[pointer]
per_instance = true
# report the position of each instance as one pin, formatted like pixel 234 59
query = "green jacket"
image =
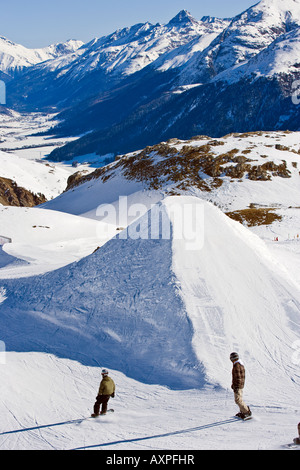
pixel 107 386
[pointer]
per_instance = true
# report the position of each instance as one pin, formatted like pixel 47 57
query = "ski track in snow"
pixel 204 422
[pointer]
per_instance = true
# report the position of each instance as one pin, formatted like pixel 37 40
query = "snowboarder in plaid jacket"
pixel 238 383
pixel 297 439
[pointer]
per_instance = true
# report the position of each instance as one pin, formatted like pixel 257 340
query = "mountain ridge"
pixel 105 62
pixel 181 79
pixel 15 57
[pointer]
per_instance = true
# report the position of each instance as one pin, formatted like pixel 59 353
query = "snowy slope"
pixel 88 198
pixel 210 282
pixel 23 153
pixel 38 177
pixel 137 303
pixel 226 302
pixel 162 314
pixel 44 240
pixel 147 417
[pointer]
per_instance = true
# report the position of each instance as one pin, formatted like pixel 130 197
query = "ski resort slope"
pixel 45 240
pixel 163 314
pixel 38 177
pixel 58 396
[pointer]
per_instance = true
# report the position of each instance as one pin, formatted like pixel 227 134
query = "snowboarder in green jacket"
pixel 106 390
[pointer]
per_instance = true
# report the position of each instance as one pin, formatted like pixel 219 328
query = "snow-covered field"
pixel 160 313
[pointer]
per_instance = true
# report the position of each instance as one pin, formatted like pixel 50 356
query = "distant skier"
pixel 238 382
pixel 106 390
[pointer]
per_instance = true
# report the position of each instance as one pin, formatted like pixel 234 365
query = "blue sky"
pixel 38 23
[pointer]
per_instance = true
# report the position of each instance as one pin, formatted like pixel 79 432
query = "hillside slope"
pixel 235 171
pixel 44 240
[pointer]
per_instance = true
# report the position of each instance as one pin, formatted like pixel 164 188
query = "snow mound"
pixel 6 259
pixel 87 199
pixel 238 297
pixel 46 240
pixel 165 309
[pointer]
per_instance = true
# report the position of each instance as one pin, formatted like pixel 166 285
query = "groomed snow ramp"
pixel 119 307
pixel 163 308
pixel 239 298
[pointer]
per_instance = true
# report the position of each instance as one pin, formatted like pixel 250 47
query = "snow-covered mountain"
pixel 160 264
pixel 129 50
pixel 246 36
pixel 15 57
pixel 241 80
pixel 105 62
pixel 281 57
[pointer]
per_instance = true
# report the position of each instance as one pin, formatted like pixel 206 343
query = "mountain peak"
pixel 284 6
pixel 183 17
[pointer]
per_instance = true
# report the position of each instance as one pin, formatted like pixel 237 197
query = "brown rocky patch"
pixel 254 216
pixel 13 195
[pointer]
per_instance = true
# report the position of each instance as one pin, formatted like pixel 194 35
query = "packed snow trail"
pixel 58 395
pixel 159 436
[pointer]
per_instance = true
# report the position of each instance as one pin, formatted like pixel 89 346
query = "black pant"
pixel 101 400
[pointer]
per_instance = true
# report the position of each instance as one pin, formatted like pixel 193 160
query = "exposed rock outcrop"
pixel 13 195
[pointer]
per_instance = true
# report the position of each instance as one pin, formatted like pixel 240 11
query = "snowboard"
pixel 110 410
pixel 247 418
pixel 292 446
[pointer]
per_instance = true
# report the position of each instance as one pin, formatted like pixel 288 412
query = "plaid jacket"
pixel 238 376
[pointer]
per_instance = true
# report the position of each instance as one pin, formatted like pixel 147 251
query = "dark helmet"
pixel 234 356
